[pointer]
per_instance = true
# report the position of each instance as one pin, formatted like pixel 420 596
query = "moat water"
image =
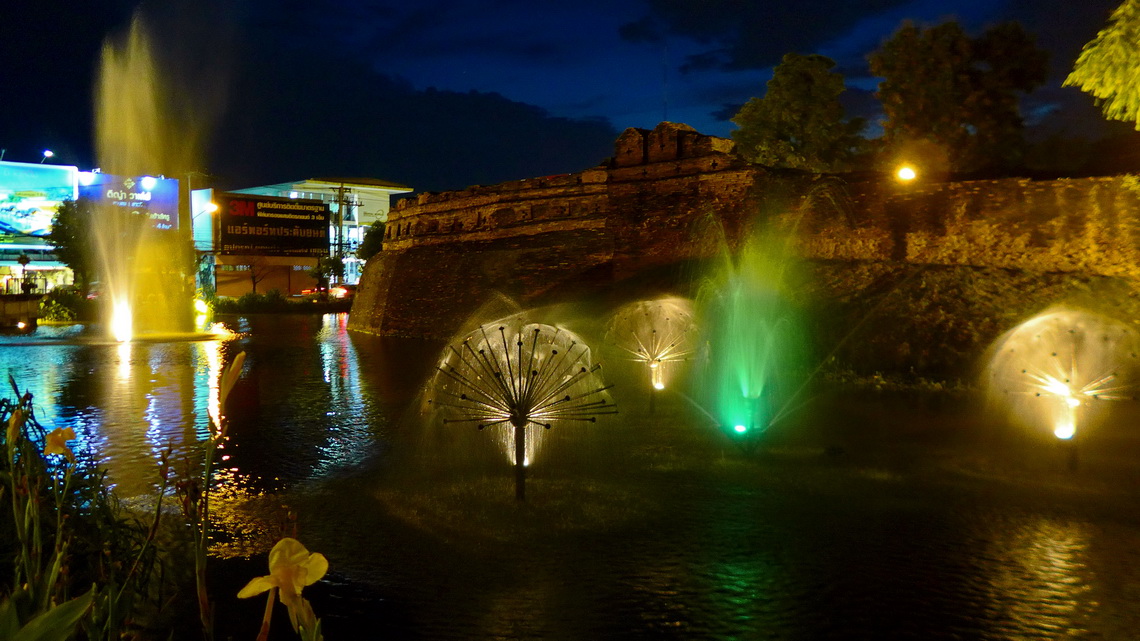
pixel 867 515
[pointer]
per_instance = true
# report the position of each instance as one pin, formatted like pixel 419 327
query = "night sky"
pixel 442 94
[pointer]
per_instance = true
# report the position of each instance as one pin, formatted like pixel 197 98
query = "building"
pixel 354 204
pixel 277 253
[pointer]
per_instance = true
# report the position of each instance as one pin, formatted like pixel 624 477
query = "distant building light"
pixel 294 194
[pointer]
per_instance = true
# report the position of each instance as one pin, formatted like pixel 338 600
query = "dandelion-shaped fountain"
pixel 512 375
pixel 658 334
pixel 1051 371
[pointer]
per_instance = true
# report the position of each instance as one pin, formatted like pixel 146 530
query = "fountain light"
pixel 122 326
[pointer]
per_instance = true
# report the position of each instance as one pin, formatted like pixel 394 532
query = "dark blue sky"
pixel 440 94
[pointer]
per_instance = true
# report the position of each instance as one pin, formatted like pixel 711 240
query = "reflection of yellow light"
pixel 213 351
pixel 121 325
pixel 124 355
pixel 656 374
pixel 906 173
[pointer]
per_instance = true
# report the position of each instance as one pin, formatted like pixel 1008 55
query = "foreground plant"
pixel 195 495
pixel 65 537
pixel 291 568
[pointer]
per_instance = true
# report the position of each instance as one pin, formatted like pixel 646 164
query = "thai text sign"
pixel 268 226
pixel 154 198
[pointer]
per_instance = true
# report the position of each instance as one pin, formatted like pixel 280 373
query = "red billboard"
pixel 270 226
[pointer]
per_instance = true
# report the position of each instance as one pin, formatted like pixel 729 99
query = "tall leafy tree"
pixel 960 94
pixel 372 242
pixel 71 236
pixel 1109 65
pixel 799 123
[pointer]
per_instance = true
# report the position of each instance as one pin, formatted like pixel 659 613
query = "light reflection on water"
pixel 847 546
pixel 129 402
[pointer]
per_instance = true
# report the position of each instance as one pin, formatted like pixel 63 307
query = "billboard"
pixel 270 226
pixel 30 195
pixel 156 198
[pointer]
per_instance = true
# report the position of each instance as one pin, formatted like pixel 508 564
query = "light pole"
pixel 47 154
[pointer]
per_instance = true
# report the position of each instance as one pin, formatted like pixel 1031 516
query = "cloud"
pixel 751 34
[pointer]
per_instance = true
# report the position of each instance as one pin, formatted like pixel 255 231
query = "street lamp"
pixel 47 154
pixel 906 173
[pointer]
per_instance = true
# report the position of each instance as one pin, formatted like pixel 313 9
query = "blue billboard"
pixel 30 195
pixel 156 198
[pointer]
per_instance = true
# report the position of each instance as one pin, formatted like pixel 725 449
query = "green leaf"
pixel 9 619
pixel 58 623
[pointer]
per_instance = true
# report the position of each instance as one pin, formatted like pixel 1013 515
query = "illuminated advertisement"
pixel 156 198
pixel 269 226
pixel 30 195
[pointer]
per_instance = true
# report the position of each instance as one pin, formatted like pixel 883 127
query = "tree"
pixel 328 268
pixel 1107 67
pixel 372 242
pixel 960 94
pixel 799 123
pixel 259 270
pixel 72 229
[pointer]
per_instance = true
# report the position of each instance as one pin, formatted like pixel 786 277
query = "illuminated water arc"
pixel 1051 371
pixel 659 334
pixel 753 337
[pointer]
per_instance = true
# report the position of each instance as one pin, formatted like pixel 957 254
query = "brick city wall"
pixel 446 253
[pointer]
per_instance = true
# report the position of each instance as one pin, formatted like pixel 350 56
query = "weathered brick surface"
pixel 445 253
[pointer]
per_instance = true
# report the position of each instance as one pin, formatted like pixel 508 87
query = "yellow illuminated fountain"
pixel 1052 372
pixel 144 272
pixel 659 334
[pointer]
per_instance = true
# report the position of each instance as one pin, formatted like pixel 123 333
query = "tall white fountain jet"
pixel 144 273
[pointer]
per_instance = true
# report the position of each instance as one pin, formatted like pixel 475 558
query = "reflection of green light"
pixel 740 429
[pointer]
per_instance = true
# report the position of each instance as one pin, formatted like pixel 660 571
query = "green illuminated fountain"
pixel 756 350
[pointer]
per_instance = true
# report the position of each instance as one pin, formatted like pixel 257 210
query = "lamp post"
pixel 47 154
